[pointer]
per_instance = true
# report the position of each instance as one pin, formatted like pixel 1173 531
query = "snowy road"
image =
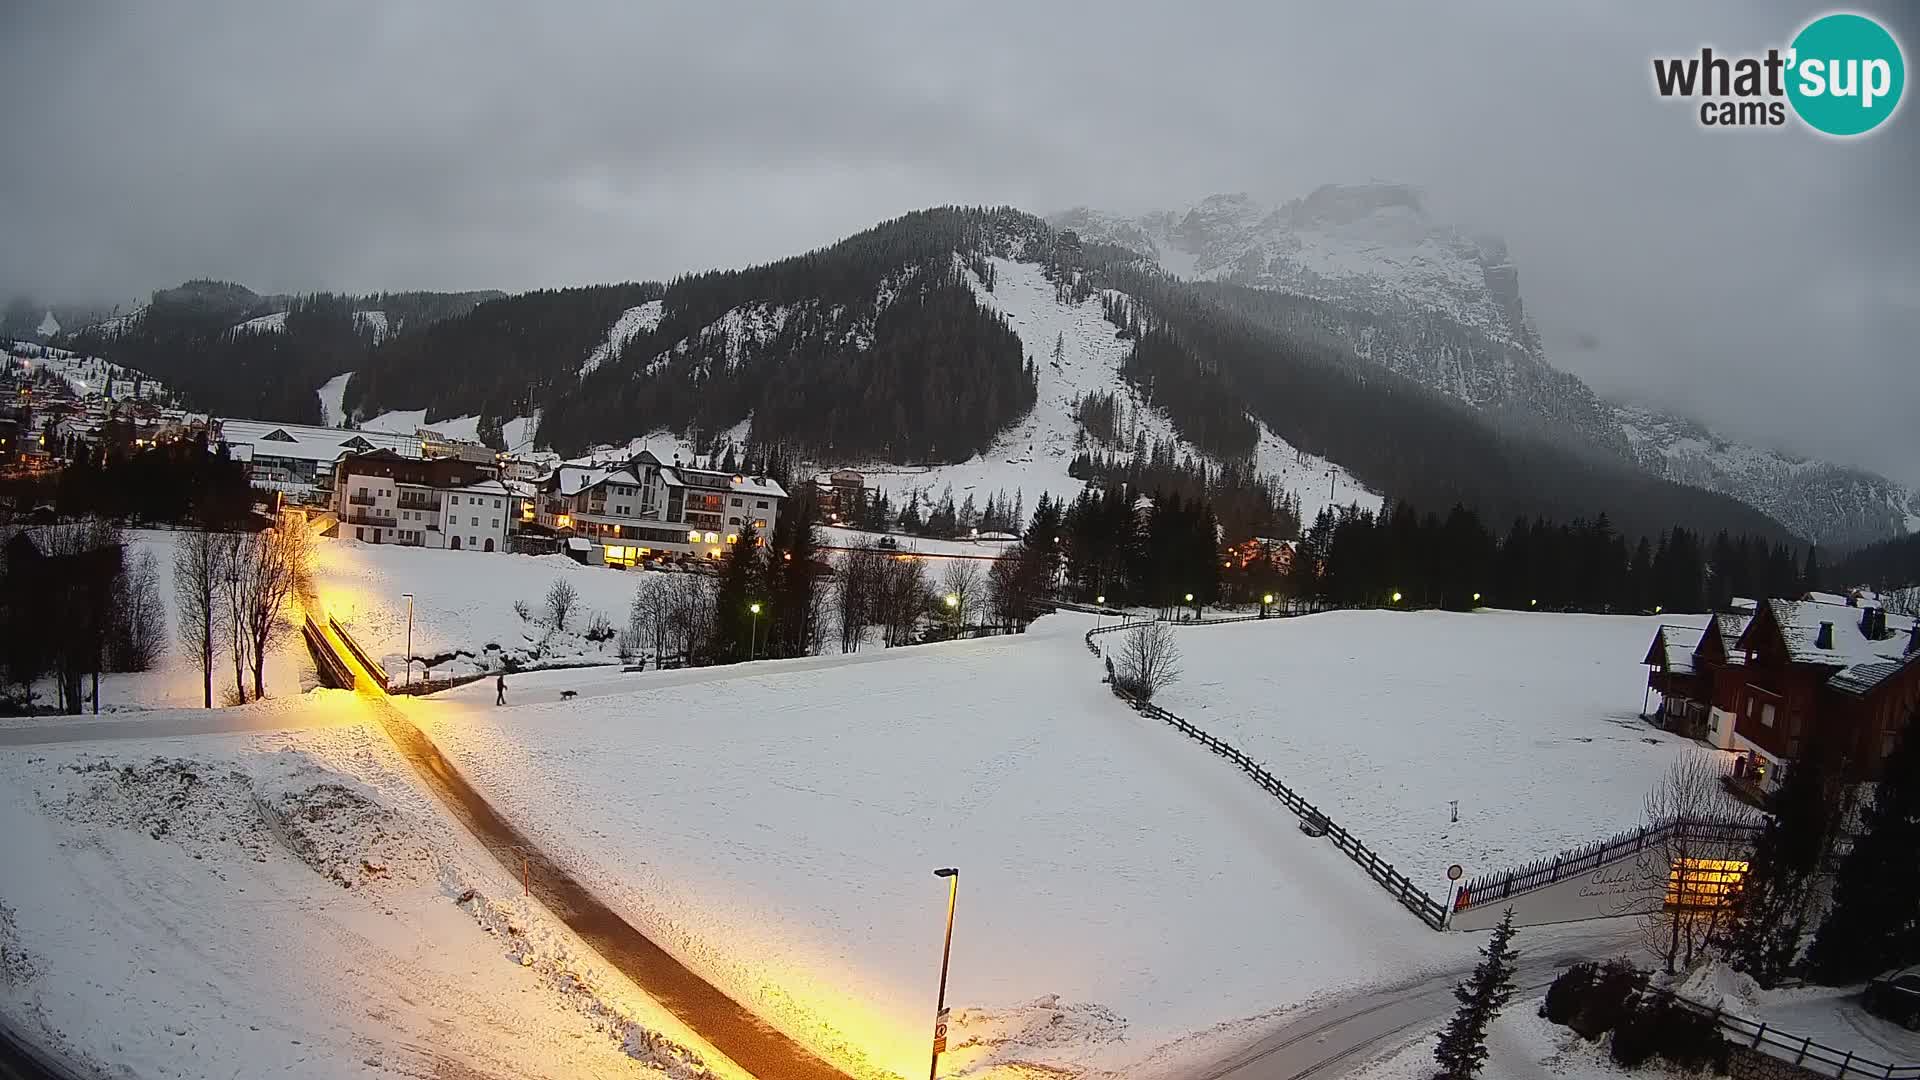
pixel 724 1023
pixel 1330 1041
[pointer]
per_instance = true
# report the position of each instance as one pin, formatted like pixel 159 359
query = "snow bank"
pixel 1530 721
pixel 290 905
pixel 775 826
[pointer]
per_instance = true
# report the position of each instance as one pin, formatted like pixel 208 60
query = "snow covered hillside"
pixel 776 827
pixel 636 320
pixel 1374 249
pixel 374 322
pixel 1382 718
pixel 86 375
pixel 1829 503
pixel 1032 456
pixel 290 904
pixel 272 323
pixel 333 394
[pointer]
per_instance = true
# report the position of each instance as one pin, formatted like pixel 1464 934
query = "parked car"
pixel 1895 996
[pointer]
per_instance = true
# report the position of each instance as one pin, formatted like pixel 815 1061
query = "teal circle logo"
pixel 1846 74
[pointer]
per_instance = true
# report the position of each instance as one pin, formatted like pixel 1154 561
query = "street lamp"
pixel 753 638
pixel 1396 596
pixel 1266 601
pixel 409 597
pixel 1476 598
pixel 952 875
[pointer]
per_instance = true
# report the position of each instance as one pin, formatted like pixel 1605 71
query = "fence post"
pixel 1802 1055
pixel 1758 1035
pixel 1847 1063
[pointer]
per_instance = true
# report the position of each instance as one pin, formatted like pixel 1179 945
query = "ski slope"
pixel 333 394
pixel 632 322
pixel 1033 455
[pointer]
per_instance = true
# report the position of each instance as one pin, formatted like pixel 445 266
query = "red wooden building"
pixel 1847 674
pixel 1698 674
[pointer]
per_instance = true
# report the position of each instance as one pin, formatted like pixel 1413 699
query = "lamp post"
pixel 409 597
pixel 1100 619
pixel 953 614
pixel 1196 611
pixel 1266 601
pixel 952 875
pixel 753 637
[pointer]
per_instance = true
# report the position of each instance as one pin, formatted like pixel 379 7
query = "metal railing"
pixel 378 673
pixel 1540 873
pixel 360 500
pixel 362 517
pixel 1799 1050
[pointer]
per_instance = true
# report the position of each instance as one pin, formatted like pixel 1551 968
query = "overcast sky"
pixel 1764 279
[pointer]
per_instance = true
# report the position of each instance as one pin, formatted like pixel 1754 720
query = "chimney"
pixel 1825 638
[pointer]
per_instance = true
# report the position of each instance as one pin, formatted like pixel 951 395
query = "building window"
pixel 761 505
pixel 1766 715
pixel 454 499
pixel 736 502
pixel 496 504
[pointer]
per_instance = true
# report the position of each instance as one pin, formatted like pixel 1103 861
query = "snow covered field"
pixel 463 602
pixel 777 829
pixel 1382 718
pixel 289 905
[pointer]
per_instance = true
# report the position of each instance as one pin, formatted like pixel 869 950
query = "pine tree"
pixel 739 585
pixel 1463 1045
pixel 1770 911
pixel 1875 920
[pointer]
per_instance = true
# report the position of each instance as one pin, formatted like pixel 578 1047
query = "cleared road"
pixel 1329 1041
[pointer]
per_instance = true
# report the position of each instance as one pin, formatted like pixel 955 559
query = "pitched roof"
pixel 1860 662
pixel 1673 648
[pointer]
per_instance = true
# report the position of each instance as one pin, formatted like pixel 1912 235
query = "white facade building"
pixel 644 507
pixel 382 498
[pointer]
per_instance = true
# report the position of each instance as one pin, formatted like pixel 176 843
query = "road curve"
pixel 1328 1041
pixel 728 1026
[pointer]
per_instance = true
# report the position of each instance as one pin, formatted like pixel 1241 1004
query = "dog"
pixel 567 695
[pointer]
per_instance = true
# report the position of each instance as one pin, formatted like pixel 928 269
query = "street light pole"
pixel 753 636
pixel 409 597
pixel 952 875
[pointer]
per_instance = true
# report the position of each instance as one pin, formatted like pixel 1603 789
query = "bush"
pixel 1569 993
pixel 599 629
pixel 1689 1040
pixel 1609 999
pixel 1636 1038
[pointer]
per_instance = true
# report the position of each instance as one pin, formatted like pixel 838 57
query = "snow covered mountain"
pixel 1831 503
pixel 1442 306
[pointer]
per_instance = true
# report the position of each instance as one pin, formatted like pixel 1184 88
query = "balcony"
pixel 417 503
pixel 370 517
pixel 360 500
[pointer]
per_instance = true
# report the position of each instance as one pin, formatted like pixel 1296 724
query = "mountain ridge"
pixel 1441 305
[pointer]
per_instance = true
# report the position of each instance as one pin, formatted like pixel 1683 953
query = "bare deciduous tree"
pixel 1149 660
pixel 140 622
pixel 562 598
pixel 270 569
pixel 1690 798
pixel 854 594
pixel 1902 601
pixel 961 580
pixel 199 568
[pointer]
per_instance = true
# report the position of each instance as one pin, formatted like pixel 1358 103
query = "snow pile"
pixel 774 825
pixel 632 322
pixel 291 905
pixel 1382 719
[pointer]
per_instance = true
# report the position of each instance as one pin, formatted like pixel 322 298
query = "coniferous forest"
pixel 880 347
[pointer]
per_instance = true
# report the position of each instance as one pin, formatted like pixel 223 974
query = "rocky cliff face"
pixel 1442 305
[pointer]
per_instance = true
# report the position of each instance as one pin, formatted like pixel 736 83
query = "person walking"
pixel 500 690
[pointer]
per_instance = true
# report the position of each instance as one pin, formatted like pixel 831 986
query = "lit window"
pixel 1703 883
pixel 693 537
pixel 712 539
pixel 733 538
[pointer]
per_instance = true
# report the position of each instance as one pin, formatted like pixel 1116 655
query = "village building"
pixel 381 497
pixel 643 507
pixel 1837 672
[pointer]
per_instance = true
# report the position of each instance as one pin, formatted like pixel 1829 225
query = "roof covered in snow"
pixel 1862 662
pixel 305 442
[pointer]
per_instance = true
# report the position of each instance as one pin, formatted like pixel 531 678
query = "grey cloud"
pixel 1765 280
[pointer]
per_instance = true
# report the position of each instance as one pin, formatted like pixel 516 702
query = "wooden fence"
pixel 1798 1050
pixel 1424 907
pixel 378 673
pixel 1498 886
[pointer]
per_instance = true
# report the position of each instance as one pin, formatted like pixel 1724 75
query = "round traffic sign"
pixel 1454 872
